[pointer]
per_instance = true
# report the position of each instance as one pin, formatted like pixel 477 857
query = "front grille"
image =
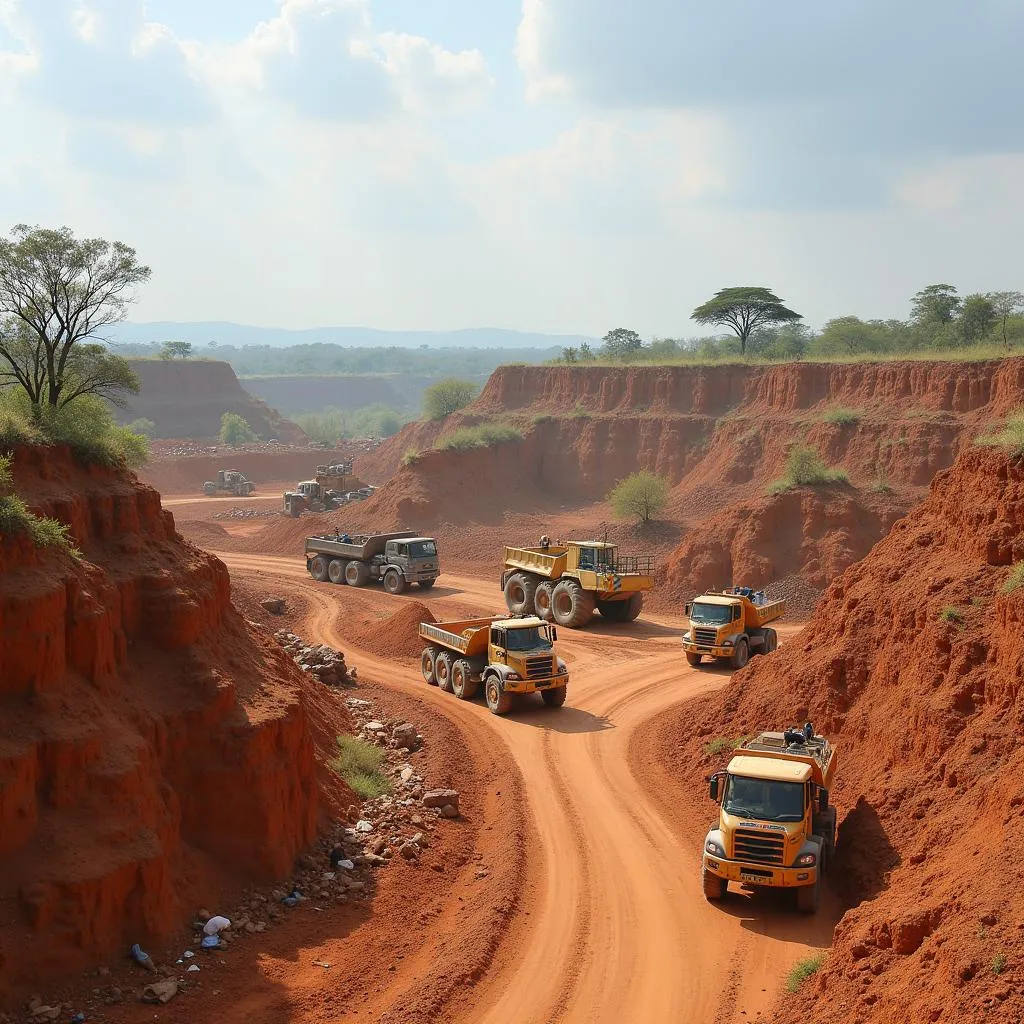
pixel 538 668
pixel 759 847
pixel 705 637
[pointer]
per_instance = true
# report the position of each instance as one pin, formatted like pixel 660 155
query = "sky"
pixel 568 166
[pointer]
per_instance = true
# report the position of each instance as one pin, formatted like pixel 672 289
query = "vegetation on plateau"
pixel 332 425
pixel 639 496
pixel 482 436
pixel 805 468
pixel 447 396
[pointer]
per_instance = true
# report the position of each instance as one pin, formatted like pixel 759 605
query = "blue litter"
pixel 210 941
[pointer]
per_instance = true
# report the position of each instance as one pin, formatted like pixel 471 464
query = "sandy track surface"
pixel 610 922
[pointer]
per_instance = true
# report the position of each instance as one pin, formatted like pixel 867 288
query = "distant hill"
pixel 239 335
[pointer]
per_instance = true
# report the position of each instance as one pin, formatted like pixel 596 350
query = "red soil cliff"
pixel 914 665
pixel 153 748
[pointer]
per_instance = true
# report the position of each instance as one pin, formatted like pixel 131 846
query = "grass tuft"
pixel 1010 437
pixel 999 963
pixel 1015 580
pixel 411 457
pixel 802 970
pixel 721 744
pixel 805 468
pixel 359 764
pixel 841 416
pixel 482 436
pixel 951 614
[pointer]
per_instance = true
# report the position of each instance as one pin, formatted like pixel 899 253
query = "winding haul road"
pixel 614 927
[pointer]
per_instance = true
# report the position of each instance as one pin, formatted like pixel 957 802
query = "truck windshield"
pixel 527 640
pixel 714 614
pixel 423 549
pixel 763 799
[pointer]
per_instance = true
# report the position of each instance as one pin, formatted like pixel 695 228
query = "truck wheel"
pixel 463 684
pixel 336 570
pixel 825 829
pixel 356 574
pixel 394 581
pixel 771 641
pixel 209 489
pixel 542 601
pixel 614 611
pixel 554 698
pixel 427 665
pixel 318 568
pixel 498 701
pixel 807 897
pixel 740 654
pixel 715 888
pixel 520 589
pixel 571 605
pixel 694 659
pixel 634 606
pixel 443 671
pixel 426 584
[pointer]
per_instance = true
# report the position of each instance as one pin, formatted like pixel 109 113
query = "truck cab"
pixel 523 651
pixel 775 828
pixel 415 557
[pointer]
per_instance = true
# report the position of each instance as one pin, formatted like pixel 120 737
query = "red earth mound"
pixel 398 635
pixel 154 751
pixel 914 665
pixel 187 398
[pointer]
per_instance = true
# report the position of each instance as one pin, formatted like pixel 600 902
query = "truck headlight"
pixel 727 643
pixel 686 638
pixel 710 846
pixel 514 676
pixel 806 860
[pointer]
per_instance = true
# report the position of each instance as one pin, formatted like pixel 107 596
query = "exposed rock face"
pixel 151 744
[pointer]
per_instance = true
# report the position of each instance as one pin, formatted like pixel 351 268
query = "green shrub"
pixel 330 425
pixel 359 764
pixel 16 518
pixel 802 970
pixel 1010 437
pixel 1015 580
pixel 951 614
pixel 805 468
pixel 411 457
pixel 482 436
pixel 841 416
pixel 234 430
pixel 142 426
pixel 999 963
pixel 447 396
pixel 721 744
pixel 578 412
pixel 639 496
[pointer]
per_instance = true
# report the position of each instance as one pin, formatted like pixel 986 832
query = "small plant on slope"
pixel 359 764
pixel 951 614
pixel 802 970
pixel 639 496
pixel 1015 580
pixel 16 518
pixel 805 468
pixel 840 416
pixel 1011 437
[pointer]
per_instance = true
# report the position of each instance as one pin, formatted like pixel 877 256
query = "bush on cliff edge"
pixel 16 518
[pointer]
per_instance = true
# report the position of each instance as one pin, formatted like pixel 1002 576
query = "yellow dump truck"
pixel 731 624
pixel 775 828
pixel 506 655
pixel 566 582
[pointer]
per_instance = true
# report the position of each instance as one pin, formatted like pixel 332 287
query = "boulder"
pixel 441 798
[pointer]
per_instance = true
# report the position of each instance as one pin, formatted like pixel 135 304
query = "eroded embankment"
pixel 153 747
pixel 913 664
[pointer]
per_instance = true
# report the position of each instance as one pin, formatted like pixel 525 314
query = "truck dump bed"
pixel 758 615
pixel 363 546
pixel 816 752
pixel 550 563
pixel 467 636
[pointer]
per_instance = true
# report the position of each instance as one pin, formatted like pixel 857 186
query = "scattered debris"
pixel 274 605
pixel 142 958
pixel 322 662
pixel 160 991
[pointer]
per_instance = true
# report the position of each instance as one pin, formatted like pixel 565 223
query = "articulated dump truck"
pixel 507 655
pixel 731 625
pixel 565 583
pixel 775 826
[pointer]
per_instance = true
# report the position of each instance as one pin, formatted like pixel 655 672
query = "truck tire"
pixel 443 670
pixel 427 664
pixel 825 829
pixel 542 600
pixel 740 654
pixel 426 584
pixel 209 489
pixel 498 701
pixel 336 570
pixel 394 581
pixel 250 487
pixel 571 605
pixel 463 683
pixel 318 568
pixel 554 698
pixel 693 658
pixel 520 589
pixel 357 574
pixel 622 611
pixel 714 887
pixel 771 641
pixel 808 896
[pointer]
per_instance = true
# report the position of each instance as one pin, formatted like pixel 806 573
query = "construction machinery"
pixel 333 486
pixel 775 828
pixel 566 582
pixel 396 558
pixel 507 656
pixel 731 625
pixel 229 481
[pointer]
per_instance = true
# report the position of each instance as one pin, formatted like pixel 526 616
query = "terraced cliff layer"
pixel 154 749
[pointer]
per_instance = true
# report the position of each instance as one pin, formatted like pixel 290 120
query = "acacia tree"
pixel 56 293
pixel 176 350
pixel 744 310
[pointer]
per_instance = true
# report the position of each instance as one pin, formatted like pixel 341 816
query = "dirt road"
pixel 613 924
